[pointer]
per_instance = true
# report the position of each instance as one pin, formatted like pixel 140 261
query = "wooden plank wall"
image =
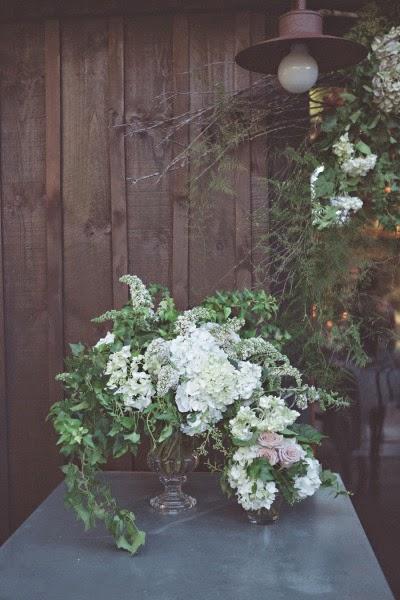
pixel 72 219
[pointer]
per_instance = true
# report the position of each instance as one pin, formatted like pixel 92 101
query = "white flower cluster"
pixel 251 494
pixel 308 484
pixel 359 166
pixel 345 206
pixel 355 166
pixel 196 366
pixel 386 82
pixel 128 380
pixel 269 414
pixel 204 379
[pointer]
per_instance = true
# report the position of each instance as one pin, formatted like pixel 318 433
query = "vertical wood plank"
pixel 53 206
pixel 148 87
pixel 212 231
pixel 179 178
pixel 119 237
pixel 243 237
pixel 119 233
pixel 4 480
pixel 33 458
pixel 258 178
pixel 85 177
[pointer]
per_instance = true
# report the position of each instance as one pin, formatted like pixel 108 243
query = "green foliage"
pixel 257 309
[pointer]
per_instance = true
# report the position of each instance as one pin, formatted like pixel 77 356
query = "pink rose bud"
pixel 270 440
pixel 289 453
pixel 270 454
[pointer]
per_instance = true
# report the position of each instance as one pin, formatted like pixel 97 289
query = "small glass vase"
pixel 266 516
pixel 172 460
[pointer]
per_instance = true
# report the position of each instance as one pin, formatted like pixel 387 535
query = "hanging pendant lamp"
pixel 301 51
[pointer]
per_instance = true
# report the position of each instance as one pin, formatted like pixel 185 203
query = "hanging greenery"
pixel 328 234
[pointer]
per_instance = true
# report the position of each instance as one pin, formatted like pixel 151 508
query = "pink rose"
pixel 289 452
pixel 270 454
pixel 270 440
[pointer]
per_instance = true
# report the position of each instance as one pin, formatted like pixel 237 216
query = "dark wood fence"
pixel 71 223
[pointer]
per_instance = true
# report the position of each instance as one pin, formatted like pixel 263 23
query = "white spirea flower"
pixel 106 340
pixel 187 322
pixel 343 148
pixel 157 354
pixel 308 484
pixel 140 296
pixel 313 179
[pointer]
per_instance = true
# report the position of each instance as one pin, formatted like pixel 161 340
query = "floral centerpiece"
pixel 181 379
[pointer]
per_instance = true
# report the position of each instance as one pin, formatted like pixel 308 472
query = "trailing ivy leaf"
pixel 133 437
pixel 165 433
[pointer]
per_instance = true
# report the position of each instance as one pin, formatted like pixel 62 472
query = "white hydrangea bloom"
pixel 117 367
pixel 244 424
pixel 245 455
pixel 137 391
pixel 248 379
pixel 345 205
pixel 252 495
pixel 308 484
pixel 134 386
pixel 359 166
pixel 386 82
pixel 106 340
pixel 275 415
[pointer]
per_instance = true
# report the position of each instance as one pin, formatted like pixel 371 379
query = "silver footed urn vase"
pixel 173 459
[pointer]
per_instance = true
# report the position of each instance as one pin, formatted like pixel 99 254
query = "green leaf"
pixel 132 543
pixel 81 406
pixel 165 433
pixel 77 349
pixel 306 434
pixel 133 437
pixel 261 469
pixel 363 148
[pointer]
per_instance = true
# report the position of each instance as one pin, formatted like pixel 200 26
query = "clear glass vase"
pixel 173 460
pixel 266 516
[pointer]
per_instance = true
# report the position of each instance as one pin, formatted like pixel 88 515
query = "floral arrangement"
pixel 273 455
pixel 160 372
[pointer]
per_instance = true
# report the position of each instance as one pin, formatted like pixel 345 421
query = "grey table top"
pixel 318 550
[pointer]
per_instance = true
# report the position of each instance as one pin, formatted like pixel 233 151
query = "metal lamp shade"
pixel 302 26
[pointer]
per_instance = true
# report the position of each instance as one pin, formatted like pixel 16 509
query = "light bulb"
pixel 298 71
